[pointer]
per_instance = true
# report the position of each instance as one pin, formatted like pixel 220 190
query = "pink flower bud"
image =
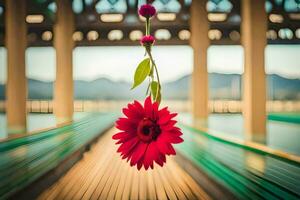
pixel 147 10
pixel 147 40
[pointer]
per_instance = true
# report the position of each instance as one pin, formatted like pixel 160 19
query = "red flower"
pixel 147 134
pixel 147 10
pixel 147 40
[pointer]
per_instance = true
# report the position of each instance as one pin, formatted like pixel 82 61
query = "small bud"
pixel 147 40
pixel 147 10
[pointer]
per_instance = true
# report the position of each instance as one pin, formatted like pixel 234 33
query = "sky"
pixel 119 63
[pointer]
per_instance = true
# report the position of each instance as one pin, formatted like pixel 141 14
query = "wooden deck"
pixel 101 174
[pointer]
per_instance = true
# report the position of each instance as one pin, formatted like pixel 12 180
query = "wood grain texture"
pixel 102 174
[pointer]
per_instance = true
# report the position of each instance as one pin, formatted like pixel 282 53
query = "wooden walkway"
pixel 101 174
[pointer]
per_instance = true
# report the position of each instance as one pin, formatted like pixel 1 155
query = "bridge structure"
pixel 74 160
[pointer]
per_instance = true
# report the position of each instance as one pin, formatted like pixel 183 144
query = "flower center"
pixel 148 130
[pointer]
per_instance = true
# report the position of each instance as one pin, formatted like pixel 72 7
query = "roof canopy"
pixel 115 22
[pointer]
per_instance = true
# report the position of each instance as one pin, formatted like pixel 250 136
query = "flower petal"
pixel 139 107
pixel 137 111
pixel 126 138
pixel 138 153
pixel 127 146
pixel 164 111
pixel 150 155
pixel 171 149
pixel 170 137
pixel 140 163
pixel 131 114
pixel 125 124
pixel 168 126
pixel 148 108
pixel 119 135
pixel 165 147
pixel 166 118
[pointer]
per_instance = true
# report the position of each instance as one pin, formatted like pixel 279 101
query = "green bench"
pixel 25 160
pixel 285 117
pixel 246 172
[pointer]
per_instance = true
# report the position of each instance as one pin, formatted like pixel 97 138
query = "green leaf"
pixel 155 90
pixel 141 72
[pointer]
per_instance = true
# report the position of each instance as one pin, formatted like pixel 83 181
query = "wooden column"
pixel 200 43
pixel 16 88
pixel 63 42
pixel 254 27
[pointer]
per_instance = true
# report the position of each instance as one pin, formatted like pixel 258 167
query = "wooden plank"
pixel 161 193
pixel 142 184
pixel 108 184
pixel 88 176
pixel 102 174
pixel 150 186
pixel 109 172
pixel 68 187
pixel 114 187
pixel 134 194
pixel 169 190
pixel 64 186
pixel 127 188
pixel 121 186
pixel 174 185
pixel 199 193
pixel 96 180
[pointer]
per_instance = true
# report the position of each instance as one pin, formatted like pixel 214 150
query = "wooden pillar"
pixel 200 43
pixel 254 27
pixel 63 42
pixel 16 88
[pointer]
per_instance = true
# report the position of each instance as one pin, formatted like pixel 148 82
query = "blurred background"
pixel 241 62
pixel 107 52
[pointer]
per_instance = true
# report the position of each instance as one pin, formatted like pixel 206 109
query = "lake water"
pixel 36 122
pixel 280 135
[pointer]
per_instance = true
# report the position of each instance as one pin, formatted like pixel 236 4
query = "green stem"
pixel 156 71
pixel 149 84
pixel 147 26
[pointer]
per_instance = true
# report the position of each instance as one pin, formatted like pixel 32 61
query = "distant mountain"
pixel 222 86
pixel 39 89
pixel 283 88
pixel 2 91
